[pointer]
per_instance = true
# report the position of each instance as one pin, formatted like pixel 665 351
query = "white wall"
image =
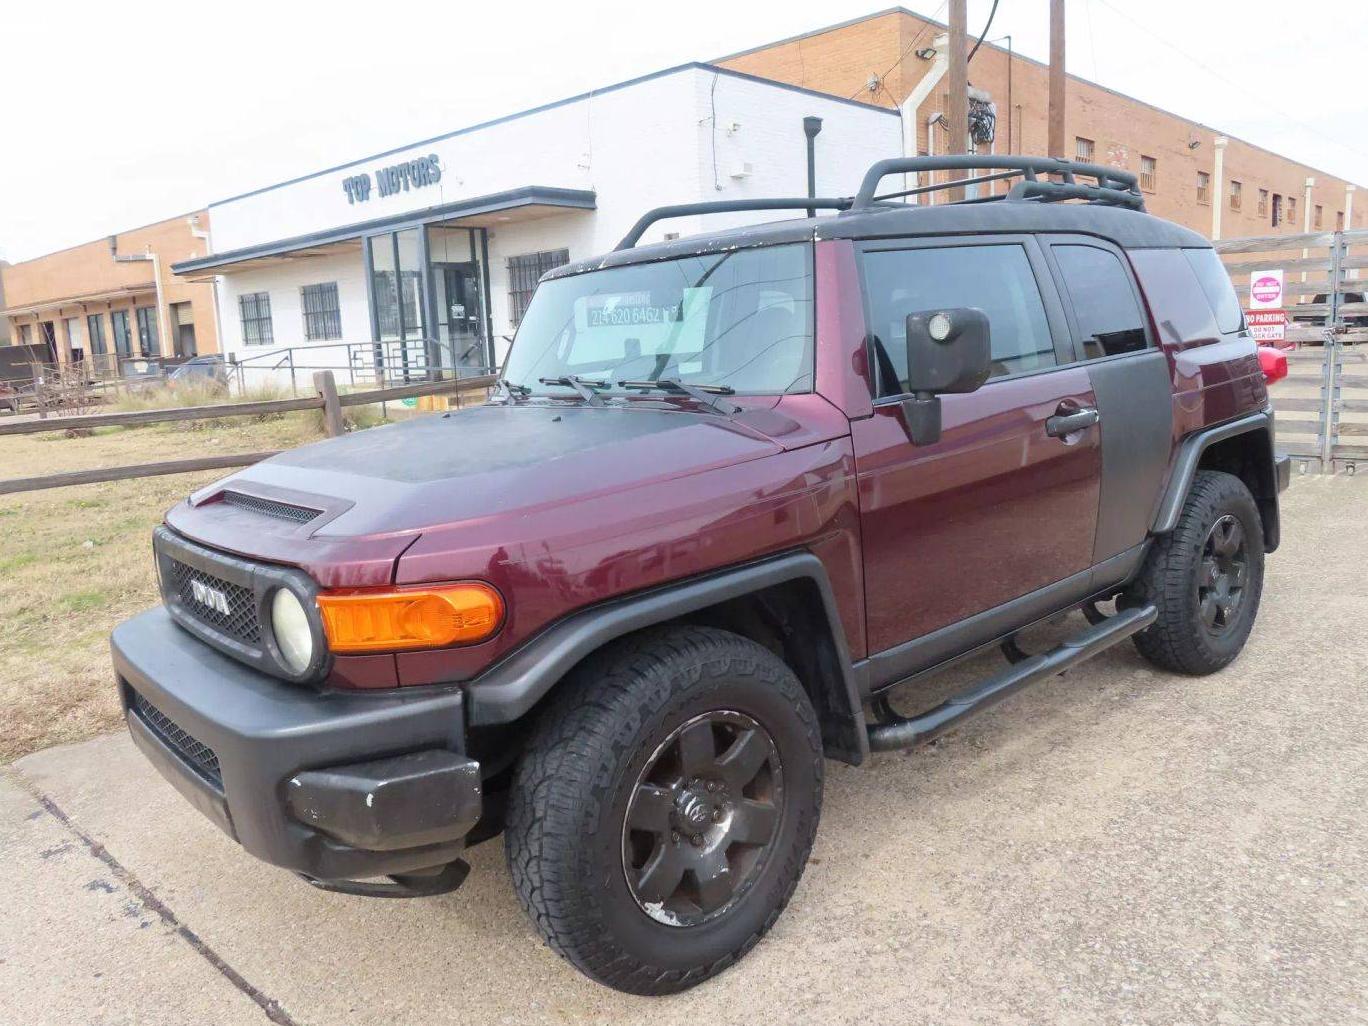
pixel 283 283
pixel 651 143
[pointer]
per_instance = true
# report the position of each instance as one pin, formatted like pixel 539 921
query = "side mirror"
pixel 947 351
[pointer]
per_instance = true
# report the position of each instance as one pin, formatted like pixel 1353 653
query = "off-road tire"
pixel 1180 641
pixel 572 787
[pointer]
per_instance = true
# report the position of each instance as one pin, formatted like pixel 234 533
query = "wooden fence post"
pixel 332 410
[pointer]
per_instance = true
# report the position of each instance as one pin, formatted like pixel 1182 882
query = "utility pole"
pixel 957 109
pixel 1056 134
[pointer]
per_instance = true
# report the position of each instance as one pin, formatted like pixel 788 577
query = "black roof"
pixel 1129 229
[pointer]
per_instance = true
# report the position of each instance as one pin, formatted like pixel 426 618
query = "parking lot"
pixel 1112 846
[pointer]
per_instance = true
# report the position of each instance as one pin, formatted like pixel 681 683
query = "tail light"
pixel 1273 363
pixel 402 619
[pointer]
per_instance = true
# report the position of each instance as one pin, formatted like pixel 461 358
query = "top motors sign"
pixel 1266 290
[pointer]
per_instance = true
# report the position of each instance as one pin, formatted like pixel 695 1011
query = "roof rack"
pixel 1114 187
pixel 808 203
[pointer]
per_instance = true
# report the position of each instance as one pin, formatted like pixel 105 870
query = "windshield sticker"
pixel 626 309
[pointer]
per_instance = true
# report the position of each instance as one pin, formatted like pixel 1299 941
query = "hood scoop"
pixel 271 507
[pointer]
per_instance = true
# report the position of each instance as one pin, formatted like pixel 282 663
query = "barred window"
pixel 1203 187
pixel 1083 150
pixel 1149 173
pixel 523 274
pixel 1263 202
pixel 1236 194
pixel 256 318
pixel 322 317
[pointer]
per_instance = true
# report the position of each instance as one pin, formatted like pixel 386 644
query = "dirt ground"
pixel 76 561
pixel 1115 845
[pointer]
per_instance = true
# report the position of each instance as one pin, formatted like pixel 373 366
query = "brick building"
pixel 1217 185
pixel 114 298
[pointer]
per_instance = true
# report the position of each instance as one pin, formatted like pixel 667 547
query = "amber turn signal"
pixel 393 620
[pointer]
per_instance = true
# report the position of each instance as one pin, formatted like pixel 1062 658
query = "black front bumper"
pixel 332 786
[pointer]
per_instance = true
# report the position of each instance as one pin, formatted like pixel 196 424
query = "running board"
pixel 905 732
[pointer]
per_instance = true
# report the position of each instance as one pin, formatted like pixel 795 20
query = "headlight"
pixel 293 633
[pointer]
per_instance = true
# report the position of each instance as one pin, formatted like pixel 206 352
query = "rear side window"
pixel 996 279
pixel 1211 275
pixel 1109 319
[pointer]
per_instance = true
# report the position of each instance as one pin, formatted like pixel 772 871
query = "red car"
pixel 735 488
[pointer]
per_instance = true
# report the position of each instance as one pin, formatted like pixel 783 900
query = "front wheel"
pixel 664 808
pixel 1205 578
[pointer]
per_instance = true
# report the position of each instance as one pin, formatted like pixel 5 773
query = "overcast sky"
pixel 118 114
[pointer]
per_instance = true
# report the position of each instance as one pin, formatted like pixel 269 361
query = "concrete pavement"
pixel 1112 846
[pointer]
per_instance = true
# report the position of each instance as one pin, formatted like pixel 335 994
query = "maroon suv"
pixel 733 490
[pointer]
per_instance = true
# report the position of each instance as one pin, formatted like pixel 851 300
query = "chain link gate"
pixel 1322 404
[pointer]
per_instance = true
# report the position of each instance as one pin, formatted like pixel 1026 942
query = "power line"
pixel 910 46
pixel 1289 118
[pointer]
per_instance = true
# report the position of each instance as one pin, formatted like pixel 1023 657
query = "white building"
pixel 433 249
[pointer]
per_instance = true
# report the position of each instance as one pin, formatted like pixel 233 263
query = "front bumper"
pixel 335 787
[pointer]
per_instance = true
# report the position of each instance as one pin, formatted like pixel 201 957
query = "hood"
pixel 388 484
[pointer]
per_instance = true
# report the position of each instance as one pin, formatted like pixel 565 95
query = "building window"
pixel 1339 220
pixel 1320 215
pixel 255 308
pixel 95 328
pixel 26 334
pixel 72 325
pixel 1263 202
pixel 322 317
pixel 1292 211
pixel 123 339
pixel 148 343
pixel 1083 150
pixel 1203 187
pixel 1149 173
pixel 1277 209
pixel 1236 198
pixel 523 273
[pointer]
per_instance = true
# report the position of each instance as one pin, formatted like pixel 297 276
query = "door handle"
pixel 1069 418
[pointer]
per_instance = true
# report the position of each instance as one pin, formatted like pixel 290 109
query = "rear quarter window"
pixel 1109 319
pixel 1220 293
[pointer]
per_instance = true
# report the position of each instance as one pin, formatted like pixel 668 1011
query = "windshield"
pixel 742 320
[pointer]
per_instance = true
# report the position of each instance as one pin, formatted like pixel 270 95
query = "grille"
pixel 195 752
pixel 239 622
pixel 271 508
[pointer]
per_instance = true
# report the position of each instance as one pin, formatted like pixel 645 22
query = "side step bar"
pixel 904 732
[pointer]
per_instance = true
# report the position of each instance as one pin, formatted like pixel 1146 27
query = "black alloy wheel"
pixel 1224 571
pixel 1205 577
pixel 663 806
pixel 702 818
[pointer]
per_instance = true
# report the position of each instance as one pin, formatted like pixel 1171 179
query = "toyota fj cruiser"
pixel 733 489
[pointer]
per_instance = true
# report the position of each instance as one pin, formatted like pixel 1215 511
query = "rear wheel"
pixel 1205 578
pixel 665 806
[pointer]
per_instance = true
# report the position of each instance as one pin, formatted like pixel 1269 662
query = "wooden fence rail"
pixel 326 399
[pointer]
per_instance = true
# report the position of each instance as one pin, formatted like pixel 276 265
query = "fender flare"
pixel 1188 458
pixel 512 687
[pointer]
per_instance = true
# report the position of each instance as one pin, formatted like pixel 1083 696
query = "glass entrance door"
pixel 460 326
pixel 427 296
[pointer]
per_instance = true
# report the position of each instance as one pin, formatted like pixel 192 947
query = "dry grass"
pixel 76 561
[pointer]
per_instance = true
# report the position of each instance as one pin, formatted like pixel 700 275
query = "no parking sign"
pixel 1266 290
pixel 1267 317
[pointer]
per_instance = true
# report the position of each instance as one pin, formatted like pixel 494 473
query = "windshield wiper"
pixel 708 395
pixel 511 388
pixel 584 386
